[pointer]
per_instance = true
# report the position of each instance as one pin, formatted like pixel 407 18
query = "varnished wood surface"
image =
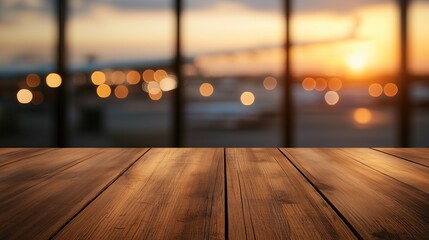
pixel 214 193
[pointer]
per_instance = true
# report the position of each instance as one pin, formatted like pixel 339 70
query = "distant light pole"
pixel 404 85
pixel 287 110
pixel 178 113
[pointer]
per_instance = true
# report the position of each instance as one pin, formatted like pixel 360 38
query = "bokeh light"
pixel 331 97
pixel 156 97
pixel 121 91
pixel 159 75
pixel 335 84
pixel 206 89
pixel 270 83
pixel 148 75
pixel 32 80
pixel 375 90
pixel 133 77
pixel 24 96
pixel 153 87
pixel 321 84
pixel 390 89
pixel 98 78
pixel 168 84
pixel 247 98
pixel 53 80
pixel 362 116
pixel 104 91
pixel 118 77
pixel 308 84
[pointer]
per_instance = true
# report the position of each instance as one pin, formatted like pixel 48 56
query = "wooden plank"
pixel 11 155
pixel 169 194
pixel 39 195
pixel 417 155
pixel 415 175
pixel 269 199
pixel 375 204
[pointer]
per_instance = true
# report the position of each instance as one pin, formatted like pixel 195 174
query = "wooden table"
pixel 214 193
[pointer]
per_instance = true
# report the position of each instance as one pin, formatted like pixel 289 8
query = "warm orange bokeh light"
pixel 357 61
pixel 247 98
pixel 118 77
pixel 53 80
pixel 375 90
pixel 33 80
pixel 332 97
pixel 121 91
pixel 98 78
pixel 270 83
pixel 321 84
pixel 133 77
pixel 206 89
pixel 308 84
pixel 390 89
pixel 335 84
pixel 104 91
pixel 168 84
pixel 24 96
pixel 362 116
pixel 155 97
pixel 148 75
pixel 153 88
pixel 159 75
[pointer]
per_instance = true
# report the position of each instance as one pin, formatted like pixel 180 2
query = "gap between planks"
pixel 98 194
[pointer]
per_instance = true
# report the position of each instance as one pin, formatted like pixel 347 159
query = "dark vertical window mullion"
pixel 287 110
pixel 404 106
pixel 60 120
pixel 178 103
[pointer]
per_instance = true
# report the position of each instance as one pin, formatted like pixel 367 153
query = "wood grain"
pixel 39 195
pixel 10 155
pixel 269 199
pixel 417 155
pixel 375 204
pixel 407 172
pixel 169 194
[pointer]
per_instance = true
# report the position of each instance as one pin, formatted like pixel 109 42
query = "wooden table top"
pixel 214 193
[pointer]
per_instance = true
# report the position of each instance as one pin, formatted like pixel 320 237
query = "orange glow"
pixel 24 96
pixel 133 77
pixel 390 89
pixel 332 98
pixel 104 91
pixel 375 90
pixel 362 116
pixel 148 75
pixel 33 80
pixel 357 61
pixel 335 84
pixel 155 97
pixel 321 84
pixel 53 80
pixel 270 83
pixel 98 78
pixel 247 98
pixel 309 84
pixel 206 89
pixel 121 91
pixel 159 75
pixel 118 77
pixel 37 98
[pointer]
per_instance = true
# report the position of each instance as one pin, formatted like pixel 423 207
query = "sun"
pixel 357 61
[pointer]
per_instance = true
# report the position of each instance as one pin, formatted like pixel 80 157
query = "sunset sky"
pixel 115 31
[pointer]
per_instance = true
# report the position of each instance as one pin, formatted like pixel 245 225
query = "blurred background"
pixel 214 73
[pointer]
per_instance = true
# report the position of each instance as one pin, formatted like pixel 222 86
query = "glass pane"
pixel 233 69
pixel 345 61
pixel 27 45
pixel 419 71
pixel 119 52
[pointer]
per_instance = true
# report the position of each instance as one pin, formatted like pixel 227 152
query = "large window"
pixel 27 46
